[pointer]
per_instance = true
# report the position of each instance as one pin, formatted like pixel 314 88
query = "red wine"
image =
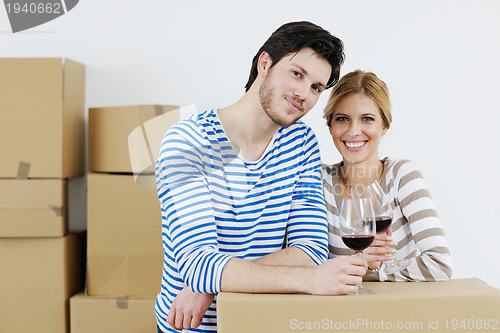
pixel 383 223
pixel 358 242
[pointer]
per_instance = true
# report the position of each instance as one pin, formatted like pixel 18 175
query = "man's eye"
pixel 316 88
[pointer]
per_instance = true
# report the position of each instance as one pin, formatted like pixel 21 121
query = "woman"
pixel 358 115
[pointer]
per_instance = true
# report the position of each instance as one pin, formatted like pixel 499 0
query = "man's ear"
pixel 264 64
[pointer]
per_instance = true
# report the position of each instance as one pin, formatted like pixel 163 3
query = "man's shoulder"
pixel 200 118
pixel 299 124
pixel 196 122
pixel 299 128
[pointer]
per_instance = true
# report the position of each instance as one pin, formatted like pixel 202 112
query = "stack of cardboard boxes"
pixel 124 254
pixel 41 146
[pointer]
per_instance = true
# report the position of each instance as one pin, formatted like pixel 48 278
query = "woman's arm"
pixel 431 260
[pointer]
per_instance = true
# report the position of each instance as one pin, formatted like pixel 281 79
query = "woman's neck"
pixel 352 174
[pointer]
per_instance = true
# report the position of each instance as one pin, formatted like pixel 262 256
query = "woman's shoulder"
pixel 401 165
pixel 403 171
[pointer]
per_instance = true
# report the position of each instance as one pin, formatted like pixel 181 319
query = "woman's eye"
pixel 368 119
pixel 297 74
pixel 341 119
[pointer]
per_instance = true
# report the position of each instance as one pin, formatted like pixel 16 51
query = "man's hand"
pixel 188 309
pixel 338 276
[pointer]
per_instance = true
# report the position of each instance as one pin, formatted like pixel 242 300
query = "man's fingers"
pixel 355 280
pixel 357 261
pixel 196 321
pixel 179 321
pixel 171 317
pixel 187 322
pixel 356 271
pixel 349 289
pixel 355 266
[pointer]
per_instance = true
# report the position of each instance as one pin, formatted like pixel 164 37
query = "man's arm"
pixel 307 222
pixel 188 224
pixel 335 277
pixel 291 256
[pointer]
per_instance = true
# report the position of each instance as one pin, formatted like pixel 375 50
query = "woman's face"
pixel 356 129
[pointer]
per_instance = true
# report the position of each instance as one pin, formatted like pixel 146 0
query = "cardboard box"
pixel 37 278
pixel 33 208
pixel 410 306
pixel 125 253
pixel 109 130
pixel 107 315
pixel 42 125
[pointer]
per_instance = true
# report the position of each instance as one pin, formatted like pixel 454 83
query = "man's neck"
pixel 247 126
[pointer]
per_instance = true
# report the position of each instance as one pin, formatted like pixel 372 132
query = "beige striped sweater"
pixel 416 226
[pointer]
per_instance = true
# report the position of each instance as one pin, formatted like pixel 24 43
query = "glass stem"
pixel 359 254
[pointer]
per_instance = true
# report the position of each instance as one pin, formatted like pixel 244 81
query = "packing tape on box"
pixel 122 303
pixel 158 110
pixel 23 170
pixel 148 145
pixel 59 210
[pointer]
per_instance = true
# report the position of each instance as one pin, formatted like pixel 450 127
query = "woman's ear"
pixel 264 64
pixel 385 130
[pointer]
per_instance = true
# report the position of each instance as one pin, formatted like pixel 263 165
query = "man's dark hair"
pixel 293 37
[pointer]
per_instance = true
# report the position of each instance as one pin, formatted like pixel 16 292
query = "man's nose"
pixel 301 91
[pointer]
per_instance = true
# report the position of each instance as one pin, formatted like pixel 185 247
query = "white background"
pixel 440 59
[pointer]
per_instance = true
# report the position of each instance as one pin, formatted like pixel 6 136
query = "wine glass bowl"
pixel 357 228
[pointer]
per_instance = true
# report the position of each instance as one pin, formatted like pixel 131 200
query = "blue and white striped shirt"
pixel 216 206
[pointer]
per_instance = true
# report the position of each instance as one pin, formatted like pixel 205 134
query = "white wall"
pixel 440 60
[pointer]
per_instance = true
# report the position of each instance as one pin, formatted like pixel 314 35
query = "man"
pixel 237 183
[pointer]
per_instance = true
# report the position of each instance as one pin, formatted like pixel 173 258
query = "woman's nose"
pixel 354 129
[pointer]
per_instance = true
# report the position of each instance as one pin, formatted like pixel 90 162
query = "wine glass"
pixel 383 218
pixel 394 265
pixel 357 229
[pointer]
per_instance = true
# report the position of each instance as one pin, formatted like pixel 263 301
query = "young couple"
pixel 237 183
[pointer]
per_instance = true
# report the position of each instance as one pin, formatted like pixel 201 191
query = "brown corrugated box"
pixel 33 208
pixel 41 118
pixel 455 305
pixel 109 131
pixel 125 254
pixel 37 278
pixel 97 314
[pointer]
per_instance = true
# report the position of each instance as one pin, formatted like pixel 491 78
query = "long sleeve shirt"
pixel 215 205
pixel 416 226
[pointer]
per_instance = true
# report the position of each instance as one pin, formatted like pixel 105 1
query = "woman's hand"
pixel 382 249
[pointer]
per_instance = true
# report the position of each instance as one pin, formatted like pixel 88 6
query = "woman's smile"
pixel 357 128
pixel 355 145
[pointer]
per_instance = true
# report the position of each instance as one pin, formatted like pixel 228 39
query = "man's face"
pixel 292 87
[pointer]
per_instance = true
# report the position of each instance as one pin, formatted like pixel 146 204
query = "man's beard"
pixel 266 94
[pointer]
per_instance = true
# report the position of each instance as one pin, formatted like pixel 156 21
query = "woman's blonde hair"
pixel 359 82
